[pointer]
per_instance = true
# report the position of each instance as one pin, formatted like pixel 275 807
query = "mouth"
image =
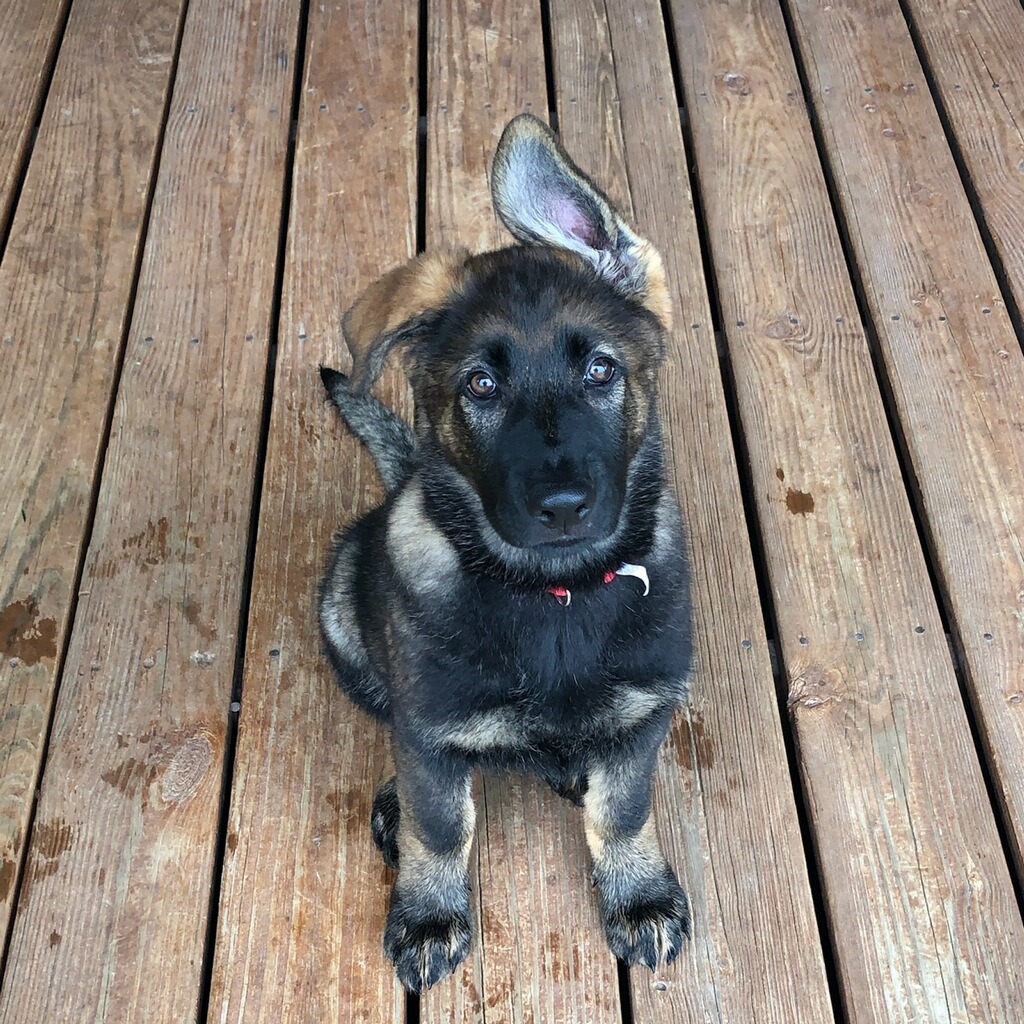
pixel 560 543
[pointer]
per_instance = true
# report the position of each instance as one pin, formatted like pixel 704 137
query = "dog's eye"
pixel 601 371
pixel 481 384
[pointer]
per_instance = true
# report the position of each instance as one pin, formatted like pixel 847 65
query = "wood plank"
pixel 29 37
pixel 976 61
pixel 723 796
pixel 65 288
pixel 920 901
pixel 949 347
pixel 538 950
pixel 305 892
pixel 112 916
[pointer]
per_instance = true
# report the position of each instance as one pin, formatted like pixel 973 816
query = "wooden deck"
pixel 191 194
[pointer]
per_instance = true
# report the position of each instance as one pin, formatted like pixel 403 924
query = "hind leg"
pixel 384 821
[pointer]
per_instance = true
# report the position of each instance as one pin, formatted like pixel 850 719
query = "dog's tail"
pixel 389 439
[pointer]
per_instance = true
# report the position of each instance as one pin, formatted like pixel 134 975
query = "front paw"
pixel 425 943
pixel 648 924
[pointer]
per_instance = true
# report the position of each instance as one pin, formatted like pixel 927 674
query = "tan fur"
pixel 609 847
pixel 429 281
pixel 485 731
pixel 423 555
pixel 656 295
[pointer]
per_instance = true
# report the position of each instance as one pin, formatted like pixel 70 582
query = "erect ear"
pixel 399 308
pixel 545 199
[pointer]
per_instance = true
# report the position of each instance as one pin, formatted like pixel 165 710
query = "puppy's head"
pixel 534 368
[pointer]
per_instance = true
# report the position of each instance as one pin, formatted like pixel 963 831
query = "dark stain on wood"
pixel 232 842
pixel 8 869
pixel 799 502
pixel 54 939
pixel 691 736
pixel 780 474
pixel 26 636
pixel 151 544
pixel 51 840
pixel 128 776
pixel 192 612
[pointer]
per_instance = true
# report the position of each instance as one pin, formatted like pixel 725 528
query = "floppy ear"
pixel 399 308
pixel 545 199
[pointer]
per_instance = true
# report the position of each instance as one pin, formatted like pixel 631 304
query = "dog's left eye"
pixel 601 371
pixel 481 384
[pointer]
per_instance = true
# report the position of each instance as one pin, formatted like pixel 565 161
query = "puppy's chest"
pixel 549 677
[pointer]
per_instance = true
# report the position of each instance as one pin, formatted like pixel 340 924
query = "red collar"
pixel 564 596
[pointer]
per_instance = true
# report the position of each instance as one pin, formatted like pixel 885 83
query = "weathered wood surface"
pixel 724 798
pixel 920 901
pixel 305 892
pixel 948 345
pixel 65 289
pixel 31 33
pixel 112 916
pixel 538 952
pixel 974 53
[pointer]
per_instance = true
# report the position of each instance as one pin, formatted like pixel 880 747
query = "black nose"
pixel 561 509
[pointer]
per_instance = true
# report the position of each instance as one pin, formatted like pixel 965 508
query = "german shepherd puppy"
pixel 521 599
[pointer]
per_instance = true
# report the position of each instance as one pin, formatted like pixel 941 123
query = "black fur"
pixel 436 607
pixel 388 439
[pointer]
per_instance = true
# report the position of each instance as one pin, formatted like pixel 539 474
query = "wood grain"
pixel 305 892
pixel 723 796
pixel 949 348
pixel 112 916
pixel 28 39
pixel 921 907
pixel 65 288
pixel 976 61
pixel 539 952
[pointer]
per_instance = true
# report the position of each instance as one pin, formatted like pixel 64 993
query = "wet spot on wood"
pixel 128 777
pixel 693 737
pixel 187 770
pixel 54 838
pixel 24 635
pixel 152 541
pixel 8 869
pixel 799 502
pixel 559 966
pixel 192 611
pixel 50 842
pixel 54 939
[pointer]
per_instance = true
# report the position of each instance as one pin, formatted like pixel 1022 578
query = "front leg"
pixel 646 914
pixel 429 927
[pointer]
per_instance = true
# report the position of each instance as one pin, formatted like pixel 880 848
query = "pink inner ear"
pixel 570 220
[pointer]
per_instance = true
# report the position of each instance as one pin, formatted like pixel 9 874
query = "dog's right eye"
pixel 481 384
